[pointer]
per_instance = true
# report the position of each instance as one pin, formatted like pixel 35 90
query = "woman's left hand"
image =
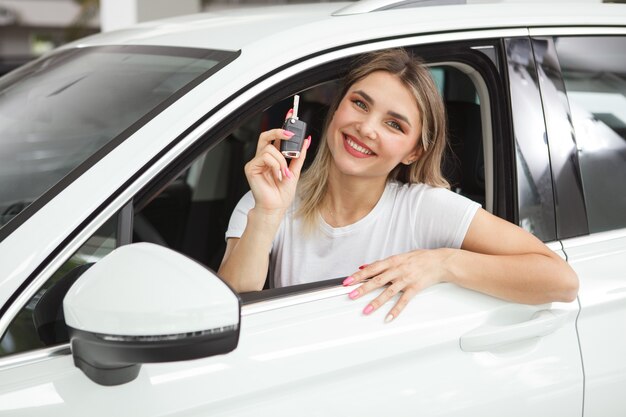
pixel 408 273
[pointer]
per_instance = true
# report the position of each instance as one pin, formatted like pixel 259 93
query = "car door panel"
pixel 290 356
pixel 600 262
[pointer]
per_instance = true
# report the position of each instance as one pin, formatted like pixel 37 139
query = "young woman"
pixel 375 207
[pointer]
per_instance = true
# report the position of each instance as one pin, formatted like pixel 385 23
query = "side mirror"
pixel 144 303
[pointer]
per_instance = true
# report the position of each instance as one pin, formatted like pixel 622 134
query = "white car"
pixel 122 158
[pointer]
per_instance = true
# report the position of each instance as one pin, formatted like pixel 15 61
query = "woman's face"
pixel 375 127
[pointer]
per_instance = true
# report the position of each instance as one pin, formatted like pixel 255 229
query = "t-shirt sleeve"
pixel 442 218
pixel 239 218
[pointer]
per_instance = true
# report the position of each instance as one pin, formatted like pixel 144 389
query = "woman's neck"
pixel 349 198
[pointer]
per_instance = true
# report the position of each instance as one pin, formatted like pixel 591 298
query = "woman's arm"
pixel 273 183
pixel 503 260
pixel 246 259
pixel 496 258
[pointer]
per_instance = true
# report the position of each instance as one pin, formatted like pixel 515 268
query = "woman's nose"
pixel 366 129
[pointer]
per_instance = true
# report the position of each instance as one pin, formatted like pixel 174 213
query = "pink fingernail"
pixel 287 173
pixel 368 309
pixel 289 113
pixel 288 133
pixel 348 281
pixel 354 294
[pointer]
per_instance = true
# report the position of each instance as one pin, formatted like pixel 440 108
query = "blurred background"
pixel 30 28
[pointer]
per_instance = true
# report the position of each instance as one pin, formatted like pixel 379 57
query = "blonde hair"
pixel 313 183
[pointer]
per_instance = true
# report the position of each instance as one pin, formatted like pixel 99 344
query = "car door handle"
pixel 490 336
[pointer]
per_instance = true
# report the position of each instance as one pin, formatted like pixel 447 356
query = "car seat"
pixel 464 164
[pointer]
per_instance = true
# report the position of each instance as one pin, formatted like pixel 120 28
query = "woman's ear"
pixel 413 156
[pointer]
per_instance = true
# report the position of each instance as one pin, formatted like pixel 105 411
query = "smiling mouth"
pixel 352 144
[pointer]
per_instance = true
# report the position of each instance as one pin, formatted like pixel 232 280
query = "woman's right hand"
pixel 272 179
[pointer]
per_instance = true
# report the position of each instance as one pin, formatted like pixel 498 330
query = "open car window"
pixel 595 80
pixel 191 213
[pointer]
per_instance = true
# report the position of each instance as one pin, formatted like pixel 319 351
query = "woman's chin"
pixel 356 169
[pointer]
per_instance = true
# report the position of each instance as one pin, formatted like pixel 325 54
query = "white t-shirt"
pixel 407 217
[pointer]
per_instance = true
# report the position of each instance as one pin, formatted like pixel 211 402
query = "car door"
pixel 308 350
pixel 590 72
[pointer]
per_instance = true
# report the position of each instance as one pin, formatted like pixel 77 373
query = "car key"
pixel 291 148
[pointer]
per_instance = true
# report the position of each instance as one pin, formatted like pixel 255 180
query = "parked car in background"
pixel 124 150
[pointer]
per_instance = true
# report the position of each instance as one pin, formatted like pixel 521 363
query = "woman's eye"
pixel 360 104
pixel 395 125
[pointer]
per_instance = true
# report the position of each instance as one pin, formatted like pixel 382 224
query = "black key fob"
pixel 292 147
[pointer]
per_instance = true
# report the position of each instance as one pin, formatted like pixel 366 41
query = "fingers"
pixel 387 272
pixel 368 271
pixel 408 294
pixel 269 158
pixel 270 139
pixel 271 162
pixel 397 286
pixel 272 136
pixel 376 282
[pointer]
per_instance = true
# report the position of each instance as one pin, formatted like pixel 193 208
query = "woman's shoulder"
pixel 415 189
pixel 421 193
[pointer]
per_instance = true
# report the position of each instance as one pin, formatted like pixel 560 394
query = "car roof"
pixel 286 26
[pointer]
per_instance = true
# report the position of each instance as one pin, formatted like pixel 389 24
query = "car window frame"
pixel 504 201
pixel 569 200
pixel 525 96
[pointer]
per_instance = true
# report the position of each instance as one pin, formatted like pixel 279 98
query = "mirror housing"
pixel 144 303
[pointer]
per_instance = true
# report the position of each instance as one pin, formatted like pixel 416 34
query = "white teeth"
pixel 358 148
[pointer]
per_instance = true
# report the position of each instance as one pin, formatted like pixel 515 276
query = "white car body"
pixel 452 351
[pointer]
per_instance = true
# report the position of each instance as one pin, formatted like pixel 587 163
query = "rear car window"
pixel 594 72
pixel 60 110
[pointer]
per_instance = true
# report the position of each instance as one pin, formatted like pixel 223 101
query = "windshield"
pixel 58 111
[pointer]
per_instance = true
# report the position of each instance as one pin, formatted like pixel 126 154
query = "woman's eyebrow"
pixel 399 116
pixel 369 98
pixel 366 96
